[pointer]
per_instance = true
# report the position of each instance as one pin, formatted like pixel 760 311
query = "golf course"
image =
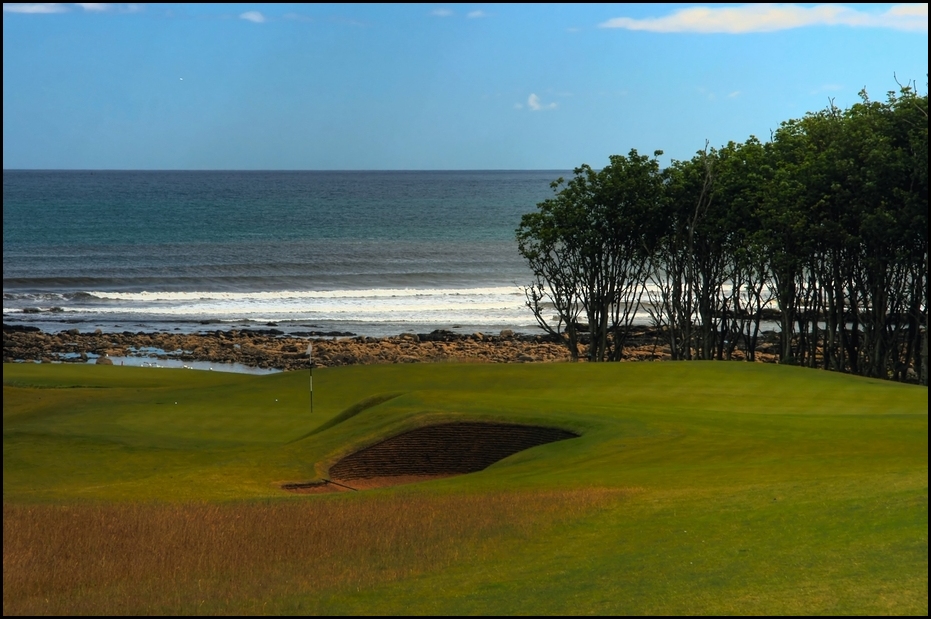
pixel 649 488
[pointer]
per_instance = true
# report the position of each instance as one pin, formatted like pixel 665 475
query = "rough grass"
pixel 245 558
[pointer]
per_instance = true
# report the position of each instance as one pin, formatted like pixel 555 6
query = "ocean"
pixel 367 253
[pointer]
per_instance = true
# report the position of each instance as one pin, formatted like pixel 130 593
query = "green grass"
pixel 694 488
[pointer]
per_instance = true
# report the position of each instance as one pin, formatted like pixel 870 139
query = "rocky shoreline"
pixel 271 349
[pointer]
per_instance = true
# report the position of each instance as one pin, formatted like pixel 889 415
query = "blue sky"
pixel 444 86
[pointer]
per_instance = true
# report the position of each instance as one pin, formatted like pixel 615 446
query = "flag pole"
pixel 310 353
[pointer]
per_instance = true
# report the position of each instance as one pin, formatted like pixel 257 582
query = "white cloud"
pixel 253 16
pixel 533 102
pixel 105 7
pixel 773 17
pixel 57 7
pixel 910 10
pixel 34 8
pixel 475 14
pixel 734 94
pixel 518 106
pixel 441 13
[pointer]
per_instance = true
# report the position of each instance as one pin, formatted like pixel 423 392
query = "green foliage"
pixel 826 226
pixel 590 248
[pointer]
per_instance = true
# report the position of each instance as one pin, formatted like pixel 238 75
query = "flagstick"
pixel 310 353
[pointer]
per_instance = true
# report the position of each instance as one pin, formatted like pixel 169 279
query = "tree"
pixel 828 222
pixel 708 286
pixel 845 221
pixel 673 300
pixel 590 249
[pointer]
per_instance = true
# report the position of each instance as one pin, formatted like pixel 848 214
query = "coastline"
pixel 272 349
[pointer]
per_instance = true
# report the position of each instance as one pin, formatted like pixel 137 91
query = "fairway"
pixel 698 488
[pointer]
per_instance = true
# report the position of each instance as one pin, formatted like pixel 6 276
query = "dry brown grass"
pixel 241 558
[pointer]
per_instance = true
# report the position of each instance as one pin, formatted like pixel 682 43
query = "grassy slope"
pixel 753 488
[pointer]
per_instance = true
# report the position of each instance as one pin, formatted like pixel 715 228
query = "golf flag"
pixel 310 353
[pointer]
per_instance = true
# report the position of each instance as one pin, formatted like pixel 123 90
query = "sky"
pixel 430 87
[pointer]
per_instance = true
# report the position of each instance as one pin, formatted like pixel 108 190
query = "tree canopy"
pixel 590 250
pixel 820 233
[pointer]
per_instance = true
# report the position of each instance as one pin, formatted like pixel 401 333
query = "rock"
pixel 263 347
pixel 506 333
pixel 440 335
pixel 20 329
pixel 104 360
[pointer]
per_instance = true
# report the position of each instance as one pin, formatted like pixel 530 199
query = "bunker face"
pixel 438 451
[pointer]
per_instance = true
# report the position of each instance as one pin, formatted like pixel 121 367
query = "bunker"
pixel 433 451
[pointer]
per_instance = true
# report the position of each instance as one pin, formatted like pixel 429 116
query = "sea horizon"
pixel 373 253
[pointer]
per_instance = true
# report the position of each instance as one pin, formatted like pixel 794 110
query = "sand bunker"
pixel 430 452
